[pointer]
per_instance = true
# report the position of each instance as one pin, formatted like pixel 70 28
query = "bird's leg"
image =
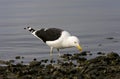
pixel 58 53
pixel 51 51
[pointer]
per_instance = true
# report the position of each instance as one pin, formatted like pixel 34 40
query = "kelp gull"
pixel 56 38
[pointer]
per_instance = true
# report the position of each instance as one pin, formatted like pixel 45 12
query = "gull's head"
pixel 74 41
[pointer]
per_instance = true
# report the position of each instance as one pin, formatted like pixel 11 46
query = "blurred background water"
pixel 91 20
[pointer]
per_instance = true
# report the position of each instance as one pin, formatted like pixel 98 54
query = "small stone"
pixel 110 38
pixel 17 57
pixel 101 53
pixel 22 61
pixel 22 57
pixel 84 53
pixel 11 61
pixel 34 59
pixel 46 60
pixel 52 61
pixel 90 54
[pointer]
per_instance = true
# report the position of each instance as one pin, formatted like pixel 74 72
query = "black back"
pixel 50 34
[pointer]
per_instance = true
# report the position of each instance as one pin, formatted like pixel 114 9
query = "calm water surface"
pixel 91 20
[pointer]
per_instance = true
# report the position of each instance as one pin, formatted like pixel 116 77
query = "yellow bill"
pixel 79 48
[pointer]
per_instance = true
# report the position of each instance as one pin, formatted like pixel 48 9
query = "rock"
pixel 101 53
pixel 102 67
pixel 17 57
pixel 84 53
pixel 110 38
pixel 77 67
pixel 11 61
pixel 66 56
pixel 112 55
pixel 34 63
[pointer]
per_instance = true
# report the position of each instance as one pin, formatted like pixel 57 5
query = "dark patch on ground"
pixel 101 67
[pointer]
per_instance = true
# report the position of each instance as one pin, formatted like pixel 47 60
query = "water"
pixel 91 20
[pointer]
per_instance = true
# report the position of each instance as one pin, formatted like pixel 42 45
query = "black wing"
pixel 50 34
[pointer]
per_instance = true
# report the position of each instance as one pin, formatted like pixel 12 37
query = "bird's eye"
pixel 75 42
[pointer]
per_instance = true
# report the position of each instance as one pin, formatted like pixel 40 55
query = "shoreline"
pixel 67 67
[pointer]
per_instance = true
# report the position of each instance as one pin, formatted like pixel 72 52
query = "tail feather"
pixel 30 29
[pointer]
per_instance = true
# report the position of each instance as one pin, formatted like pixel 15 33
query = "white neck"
pixel 67 43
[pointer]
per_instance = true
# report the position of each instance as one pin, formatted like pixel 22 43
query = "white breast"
pixel 59 42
